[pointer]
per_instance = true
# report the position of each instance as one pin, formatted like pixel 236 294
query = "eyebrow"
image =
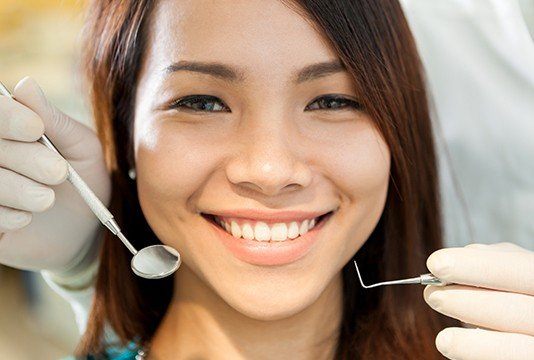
pixel 233 74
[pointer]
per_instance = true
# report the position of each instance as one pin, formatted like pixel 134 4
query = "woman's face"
pixel 261 137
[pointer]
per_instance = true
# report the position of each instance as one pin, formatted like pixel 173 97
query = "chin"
pixel 269 303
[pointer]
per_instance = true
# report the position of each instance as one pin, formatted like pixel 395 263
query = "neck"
pixel 199 324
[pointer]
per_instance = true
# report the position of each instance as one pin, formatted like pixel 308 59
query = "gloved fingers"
pixel 493 269
pixel 13 219
pixel 72 138
pixel 19 192
pixel 491 309
pixel 33 160
pixel 504 246
pixel 17 122
pixel 479 344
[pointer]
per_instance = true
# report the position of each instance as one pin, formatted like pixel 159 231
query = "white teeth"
pixel 261 231
pixel 293 230
pixel 279 232
pixel 303 227
pixel 236 230
pixel 248 232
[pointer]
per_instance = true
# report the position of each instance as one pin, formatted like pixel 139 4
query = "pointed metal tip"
pixel 360 277
pixel 416 280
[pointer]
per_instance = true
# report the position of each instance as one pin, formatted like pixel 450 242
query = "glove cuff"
pixel 82 274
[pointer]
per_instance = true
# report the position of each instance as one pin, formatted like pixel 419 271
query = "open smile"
pixel 266 251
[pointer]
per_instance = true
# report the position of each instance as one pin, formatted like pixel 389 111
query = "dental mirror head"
pixel 156 261
pixel 152 262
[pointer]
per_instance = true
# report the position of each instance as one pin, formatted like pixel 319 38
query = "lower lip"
pixel 270 252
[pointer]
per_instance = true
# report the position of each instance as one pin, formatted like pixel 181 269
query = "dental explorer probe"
pixel 151 262
pixel 423 279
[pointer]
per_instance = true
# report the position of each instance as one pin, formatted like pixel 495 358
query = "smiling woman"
pixel 246 123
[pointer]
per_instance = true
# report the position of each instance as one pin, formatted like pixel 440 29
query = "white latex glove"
pixel 496 296
pixel 44 223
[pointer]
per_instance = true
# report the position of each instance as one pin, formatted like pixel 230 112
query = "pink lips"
pixel 269 253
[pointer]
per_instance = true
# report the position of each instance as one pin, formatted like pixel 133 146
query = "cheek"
pixel 172 165
pixel 173 162
pixel 367 170
pixel 368 166
pixel 357 160
pixel 359 166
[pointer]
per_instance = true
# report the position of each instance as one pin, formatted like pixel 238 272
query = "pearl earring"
pixel 131 173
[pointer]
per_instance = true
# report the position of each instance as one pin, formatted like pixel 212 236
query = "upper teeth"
pixel 261 231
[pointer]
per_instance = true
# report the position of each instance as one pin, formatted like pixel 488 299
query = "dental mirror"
pixel 151 262
pixel 156 261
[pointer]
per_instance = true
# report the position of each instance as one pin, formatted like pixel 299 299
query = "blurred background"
pixel 39 38
pixel 462 48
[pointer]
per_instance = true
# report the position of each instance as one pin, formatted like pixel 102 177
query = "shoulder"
pixel 112 352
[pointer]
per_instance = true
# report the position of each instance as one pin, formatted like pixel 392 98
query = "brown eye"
pixel 334 102
pixel 199 103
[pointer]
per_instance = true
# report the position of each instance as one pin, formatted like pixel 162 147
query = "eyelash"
pixel 195 99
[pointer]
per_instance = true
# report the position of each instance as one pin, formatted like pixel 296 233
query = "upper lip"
pixel 258 215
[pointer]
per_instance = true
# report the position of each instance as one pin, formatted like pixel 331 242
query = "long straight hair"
pixel 374 42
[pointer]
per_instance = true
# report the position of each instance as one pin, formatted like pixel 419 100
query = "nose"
pixel 268 159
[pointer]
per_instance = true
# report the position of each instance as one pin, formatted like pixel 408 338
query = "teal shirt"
pixel 127 352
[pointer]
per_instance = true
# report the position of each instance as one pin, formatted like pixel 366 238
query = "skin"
pixel 262 146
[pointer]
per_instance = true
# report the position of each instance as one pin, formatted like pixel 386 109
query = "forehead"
pixel 264 37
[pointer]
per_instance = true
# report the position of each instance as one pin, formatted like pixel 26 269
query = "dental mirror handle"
pixel 96 206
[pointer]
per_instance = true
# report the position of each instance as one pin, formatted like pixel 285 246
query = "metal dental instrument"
pixel 424 279
pixel 151 262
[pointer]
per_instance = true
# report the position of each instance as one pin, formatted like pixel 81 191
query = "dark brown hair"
pixel 374 42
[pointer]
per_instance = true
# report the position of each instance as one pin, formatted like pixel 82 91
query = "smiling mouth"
pixel 319 220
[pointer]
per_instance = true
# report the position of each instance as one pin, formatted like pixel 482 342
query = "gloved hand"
pixel 44 223
pixel 493 296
